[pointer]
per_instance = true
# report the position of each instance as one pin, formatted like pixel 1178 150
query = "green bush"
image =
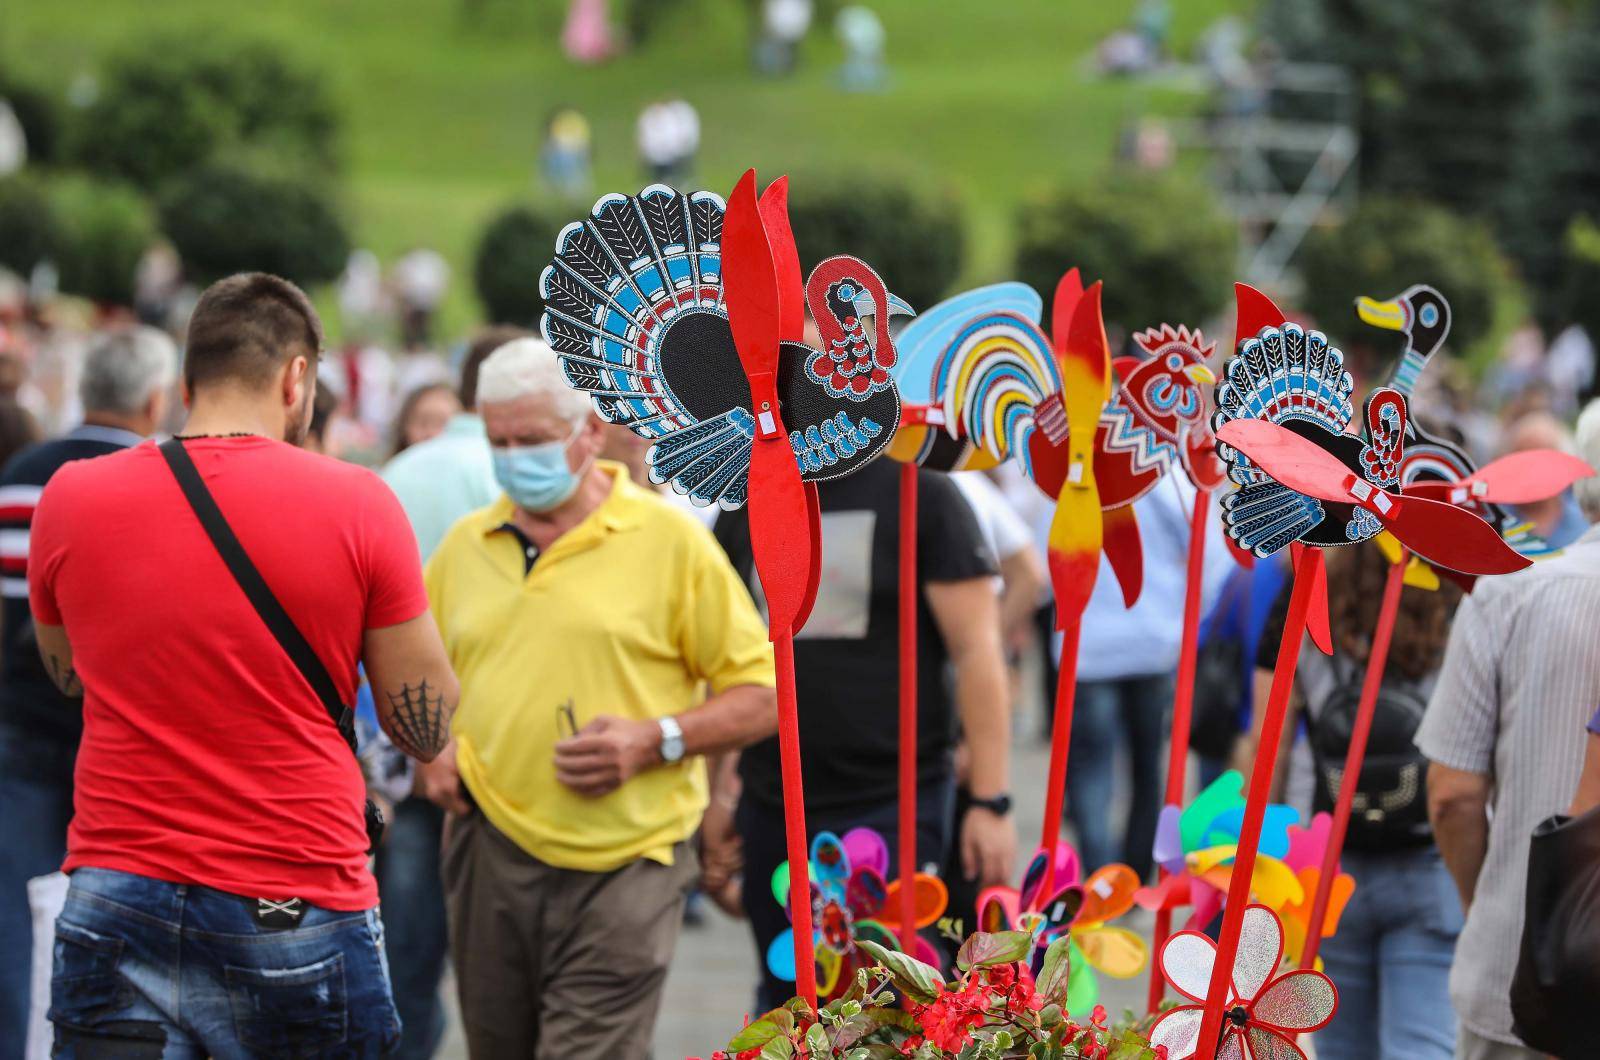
pixel 1581 274
pixel 105 230
pixel 1387 245
pixel 915 240
pixel 224 218
pixel 30 231
pixel 514 249
pixel 175 101
pixel 1163 248
pixel 40 115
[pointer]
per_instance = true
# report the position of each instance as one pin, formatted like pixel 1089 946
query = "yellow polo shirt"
pixel 626 614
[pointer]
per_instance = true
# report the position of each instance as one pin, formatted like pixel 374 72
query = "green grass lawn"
pixel 444 112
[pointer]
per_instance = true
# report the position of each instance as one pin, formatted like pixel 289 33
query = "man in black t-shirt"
pixel 847 683
pixel 124 385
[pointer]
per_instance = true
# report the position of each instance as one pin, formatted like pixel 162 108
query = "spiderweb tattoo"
pixel 417 722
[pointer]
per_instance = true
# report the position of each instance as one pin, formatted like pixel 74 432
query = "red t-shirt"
pixel 206 757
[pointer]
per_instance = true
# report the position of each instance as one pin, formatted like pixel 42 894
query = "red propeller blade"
pixel 750 281
pixel 1255 311
pixel 780 524
pixel 1526 477
pixel 786 260
pixel 1445 535
pixel 1069 290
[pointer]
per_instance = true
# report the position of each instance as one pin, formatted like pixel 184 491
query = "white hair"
pixel 529 368
pixel 124 367
pixel 1587 490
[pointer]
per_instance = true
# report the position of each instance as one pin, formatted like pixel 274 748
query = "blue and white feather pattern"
pixel 621 278
pixel 1280 375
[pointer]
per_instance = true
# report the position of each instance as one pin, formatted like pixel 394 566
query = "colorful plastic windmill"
pixel 1282 412
pixel 1080 910
pixel 1266 1011
pixel 851 902
pixel 684 320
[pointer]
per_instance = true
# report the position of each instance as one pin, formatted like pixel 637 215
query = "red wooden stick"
pixel 794 821
pixel 1182 710
pixel 908 706
pixel 1060 745
pixel 1244 860
pixel 1376 661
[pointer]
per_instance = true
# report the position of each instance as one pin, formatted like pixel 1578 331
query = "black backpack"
pixel 1390 811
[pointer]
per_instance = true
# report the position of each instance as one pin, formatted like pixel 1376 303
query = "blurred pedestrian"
pixel 218 847
pixel 424 413
pixel 438 481
pixel 564 155
pixel 1559 520
pixel 584 615
pixel 847 683
pixel 421 279
pixel 124 386
pixel 1126 659
pixel 1521 676
pixel 18 429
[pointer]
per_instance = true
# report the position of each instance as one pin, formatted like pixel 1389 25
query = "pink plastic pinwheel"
pixel 851 902
pixel 1264 1012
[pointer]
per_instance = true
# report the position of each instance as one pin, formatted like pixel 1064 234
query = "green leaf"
pixel 1056 972
pixel 777 1049
pixel 916 980
pixel 817 1040
pixel 754 1035
pixel 989 948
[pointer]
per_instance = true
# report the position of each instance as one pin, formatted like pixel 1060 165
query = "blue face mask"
pixel 536 477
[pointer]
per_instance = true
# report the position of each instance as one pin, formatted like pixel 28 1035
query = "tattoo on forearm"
pixel 417 721
pixel 64 676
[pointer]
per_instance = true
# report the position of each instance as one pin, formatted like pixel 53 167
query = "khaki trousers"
pixel 556 964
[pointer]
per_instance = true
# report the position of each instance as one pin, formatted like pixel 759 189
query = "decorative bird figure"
pixel 1156 417
pixel 635 307
pixel 1283 409
pixel 1435 468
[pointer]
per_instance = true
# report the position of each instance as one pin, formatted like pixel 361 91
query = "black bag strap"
pixel 255 587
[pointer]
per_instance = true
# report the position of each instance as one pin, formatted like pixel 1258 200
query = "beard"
pixel 298 425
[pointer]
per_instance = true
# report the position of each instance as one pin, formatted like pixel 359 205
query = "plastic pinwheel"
pixel 851 902
pixel 1265 1011
pixel 684 320
pixel 1282 411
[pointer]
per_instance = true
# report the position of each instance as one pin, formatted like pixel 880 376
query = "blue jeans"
pixel 167 971
pixel 1135 708
pixel 1391 960
pixel 35 804
pixel 418 936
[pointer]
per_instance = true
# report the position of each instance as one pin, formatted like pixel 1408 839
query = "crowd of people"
pixel 556 681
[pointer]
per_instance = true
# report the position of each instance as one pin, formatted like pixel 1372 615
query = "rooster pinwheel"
pixel 635 305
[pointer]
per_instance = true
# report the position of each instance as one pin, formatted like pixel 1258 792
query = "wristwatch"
pixel 1000 805
pixel 671 740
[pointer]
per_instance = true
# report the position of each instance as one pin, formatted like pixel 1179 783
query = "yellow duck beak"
pixel 1199 373
pixel 1391 316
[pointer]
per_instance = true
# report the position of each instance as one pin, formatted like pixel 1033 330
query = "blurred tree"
pixel 225 218
pixel 1161 244
pixel 1580 272
pixel 30 231
pixel 1387 245
pixel 40 114
pixel 105 230
pixel 514 249
pixel 914 240
pixel 175 101
pixel 1446 87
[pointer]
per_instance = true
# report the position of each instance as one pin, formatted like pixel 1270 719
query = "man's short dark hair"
pixel 483 344
pixel 245 328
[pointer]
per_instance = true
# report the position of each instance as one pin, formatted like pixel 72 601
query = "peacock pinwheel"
pixel 635 306
pixel 851 902
pixel 1265 1011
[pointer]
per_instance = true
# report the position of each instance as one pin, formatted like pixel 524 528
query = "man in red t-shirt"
pixel 221 900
